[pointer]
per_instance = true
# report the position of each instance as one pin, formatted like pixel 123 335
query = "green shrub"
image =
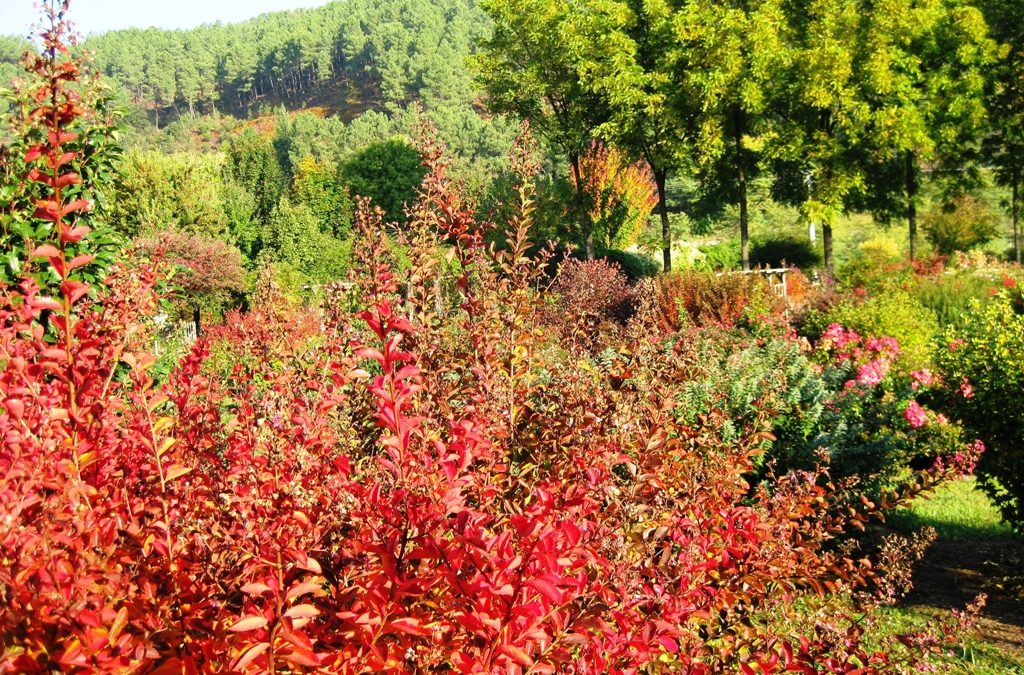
pixel 723 255
pixel 633 265
pixel 729 370
pixel 783 251
pixel 388 173
pixel 877 263
pixel 984 363
pixel 894 313
pixel 950 295
pixel 964 224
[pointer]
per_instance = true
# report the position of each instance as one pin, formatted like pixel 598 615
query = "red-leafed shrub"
pixel 397 491
pixel 591 298
pixel 694 297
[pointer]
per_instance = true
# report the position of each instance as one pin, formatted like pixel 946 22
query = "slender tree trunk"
pixel 741 177
pixel 912 203
pixel 197 320
pixel 1015 214
pixel 660 177
pixel 586 227
pixel 826 240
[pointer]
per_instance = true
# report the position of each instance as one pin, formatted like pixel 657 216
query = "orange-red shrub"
pixel 393 492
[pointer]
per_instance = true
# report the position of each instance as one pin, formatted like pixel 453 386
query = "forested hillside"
pixel 331 341
pixel 353 55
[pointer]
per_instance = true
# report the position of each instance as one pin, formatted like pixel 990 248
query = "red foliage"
pixel 694 297
pixel 390 494
pixel 207 265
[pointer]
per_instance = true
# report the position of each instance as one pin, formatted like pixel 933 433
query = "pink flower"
pixel 941 420
pixel 883 345
pixel 966 390
pixel 872 373
pixel 922 378
pixel 915 415
pixel 839 336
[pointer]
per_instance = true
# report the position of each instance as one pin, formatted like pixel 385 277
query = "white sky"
pixel 96 16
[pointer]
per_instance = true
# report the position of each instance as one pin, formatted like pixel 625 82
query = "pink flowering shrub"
pixel 875 422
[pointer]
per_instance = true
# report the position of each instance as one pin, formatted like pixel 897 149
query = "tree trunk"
pixel 741 176
pixel 197 320
pixel 1015 214
pixel 912 203
pixel 586 227
pixel 826 240
pixel 666 231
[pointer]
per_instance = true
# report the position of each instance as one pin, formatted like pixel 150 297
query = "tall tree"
pixel 526 70
pixel 923 80
pixel 623 50
pixel 820 116
pixel 730 57
pixel 1005 101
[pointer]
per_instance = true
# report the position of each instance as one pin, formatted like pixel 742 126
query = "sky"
pixel 97 16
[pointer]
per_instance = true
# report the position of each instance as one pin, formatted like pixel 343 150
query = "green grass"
pixel 958 510
pixel 973 656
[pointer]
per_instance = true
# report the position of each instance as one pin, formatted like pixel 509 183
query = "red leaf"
pixel 547 589
pixel 77 205
pixel 255 588
pixel 74 290
pixel 80 260
pixel 74 235
pixel 46 251
pixel 304 611
pixel 120 621
pixel 249 623
pixel 517 655
pixel 250 654
pixel 409 625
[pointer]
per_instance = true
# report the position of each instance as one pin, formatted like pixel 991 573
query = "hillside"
pixel 347 56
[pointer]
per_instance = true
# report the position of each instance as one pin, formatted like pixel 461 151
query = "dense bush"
pixel 961 225
pixel 209 272
pixel 634 265
pixel 388 173
pixel 400 491
pixel 588 293
pixel 720 256
pixel 783 251
pixel 950 295
pixel 693 297
pixel 894 313
pixel 984 364
pixel 874 421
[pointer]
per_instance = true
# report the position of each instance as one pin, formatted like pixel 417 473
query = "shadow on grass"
pixel 975 553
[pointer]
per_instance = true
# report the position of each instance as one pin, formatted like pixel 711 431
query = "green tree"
pixel 293 238
pixel 316 185
pixel 389 173
pixel 157 192
pixel 820 116
pixel 526 71
pixel 625 52
pixel 730 58
pixel 923 80
pixel 1004 146
pixel 252 162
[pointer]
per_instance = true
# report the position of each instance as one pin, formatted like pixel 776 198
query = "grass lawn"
pixel 975 553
